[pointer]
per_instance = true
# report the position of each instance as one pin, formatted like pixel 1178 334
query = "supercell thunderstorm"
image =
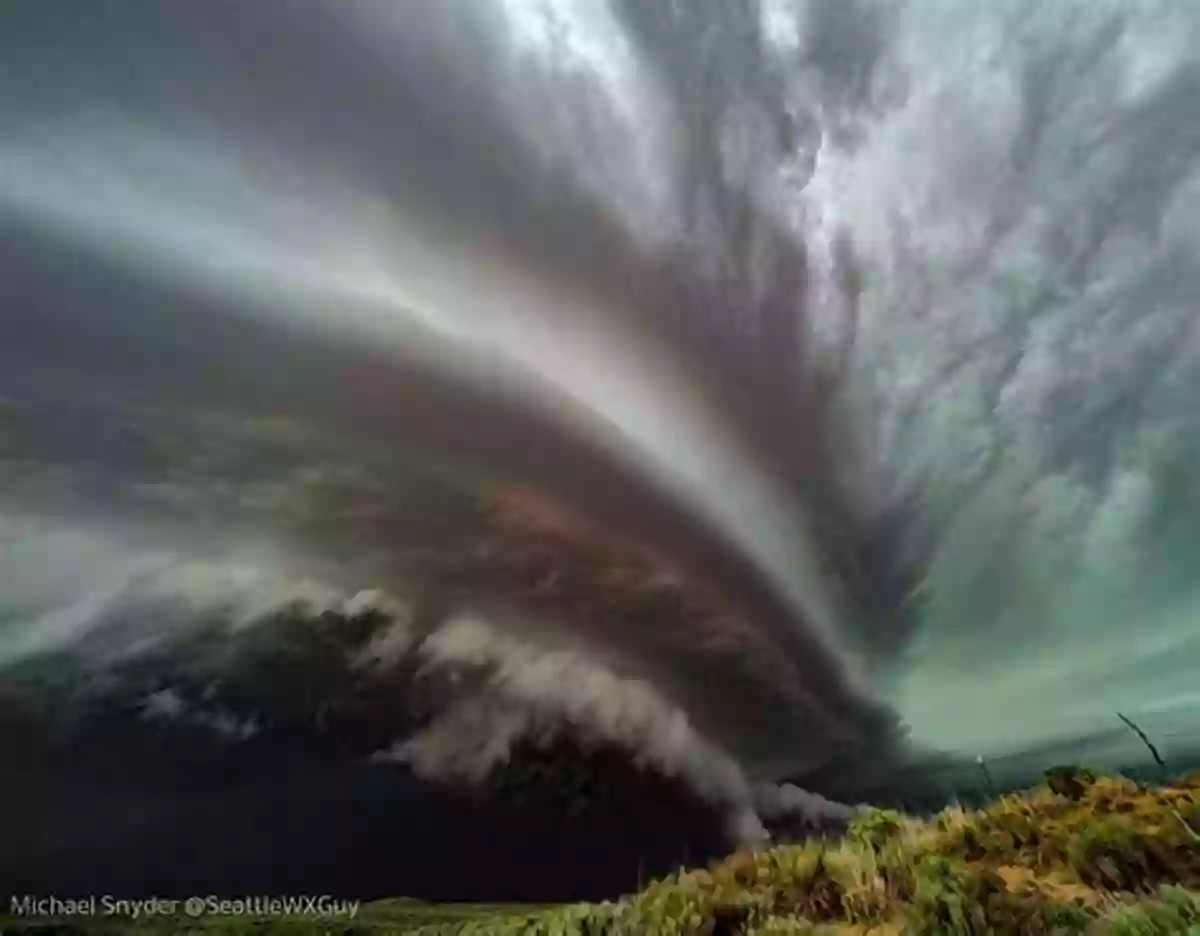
pixel 778 391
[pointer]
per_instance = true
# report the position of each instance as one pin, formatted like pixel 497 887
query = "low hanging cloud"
pixel 528 692
pixel 475 690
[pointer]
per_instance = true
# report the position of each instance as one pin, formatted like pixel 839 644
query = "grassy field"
pixel 1076 856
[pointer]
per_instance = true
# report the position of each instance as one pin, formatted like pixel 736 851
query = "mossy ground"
pixel 1103 856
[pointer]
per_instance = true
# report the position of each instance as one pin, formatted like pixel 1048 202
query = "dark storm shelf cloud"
pixel 337 387
pixel 413 124
pixel 456 166
pixel 369 220
pixel 525 228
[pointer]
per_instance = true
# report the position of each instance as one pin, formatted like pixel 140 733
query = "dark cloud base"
pixel 257 777
pixel 240 761
pixel 252 823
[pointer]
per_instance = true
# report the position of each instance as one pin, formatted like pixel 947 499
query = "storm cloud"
pixel 846 347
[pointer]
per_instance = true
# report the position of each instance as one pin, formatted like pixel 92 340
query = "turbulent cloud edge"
pixel 501 689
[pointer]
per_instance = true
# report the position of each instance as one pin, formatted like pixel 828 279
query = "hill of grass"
pixel 1076 855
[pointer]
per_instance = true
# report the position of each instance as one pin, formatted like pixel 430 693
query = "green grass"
pixel 1076 855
